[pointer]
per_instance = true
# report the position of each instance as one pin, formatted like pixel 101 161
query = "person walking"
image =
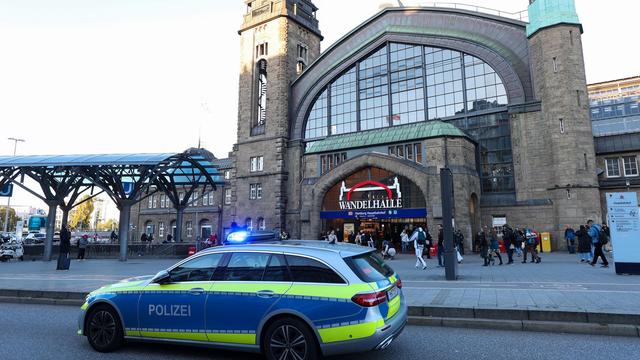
pixel 598 241
pixel 459 241
pixel 419 239
pixel 509 240
pixel 530 247
pixel 519 236
pixel 584 245
pixel 570 238
pixel 404 238
pixel 495 247
pixel 440 248
pixel 359 238
pixel 429 241
pixel 65 247
pixel 113 237
pixel 483 244
pixel 83 242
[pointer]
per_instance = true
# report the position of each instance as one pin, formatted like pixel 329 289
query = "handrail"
pixel 520 15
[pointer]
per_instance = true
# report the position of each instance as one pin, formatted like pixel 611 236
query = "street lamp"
pixel 6 214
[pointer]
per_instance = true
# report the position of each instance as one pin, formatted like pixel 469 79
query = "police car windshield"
pixel 370 267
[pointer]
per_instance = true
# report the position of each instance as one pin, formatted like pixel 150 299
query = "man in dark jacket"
pixel 440 246
pixel 584 244
pixel 65 247
pixel 509 240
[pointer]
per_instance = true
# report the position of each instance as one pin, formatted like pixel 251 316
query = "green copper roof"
pixel 545 13
pixel 422 130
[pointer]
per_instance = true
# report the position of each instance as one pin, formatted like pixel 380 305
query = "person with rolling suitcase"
pixel 65 247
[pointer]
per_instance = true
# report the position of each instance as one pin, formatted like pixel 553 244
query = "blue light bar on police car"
pixel 237 237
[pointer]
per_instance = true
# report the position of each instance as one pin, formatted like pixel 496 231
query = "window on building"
pixel 261 116
pixel 210 196
pixel 302 52
pixel 163 201
pixel 161 230
pixel 227 196
pixel 407 84
pixel 411 152
pixel 261 224
pixel 630 166
pixel 189 229
pixel 344 118
pixel 181 196
pixel 150 205
pixel 227 174
pixel 444 82
pixel 331 161
pixel 561 126
pixel 248 224
pixel 262 49
pixel 300 66
pixel 257 163
pixel 317 119
pixel 155 201
pixel 374 92
pixel 255 191
pixel 555 64
pixel 194 199
pixel 205 199
pixel 613 167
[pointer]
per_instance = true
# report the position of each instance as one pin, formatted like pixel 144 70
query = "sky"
pixel 146 76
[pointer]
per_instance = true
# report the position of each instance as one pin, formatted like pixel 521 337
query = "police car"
pixel 286 299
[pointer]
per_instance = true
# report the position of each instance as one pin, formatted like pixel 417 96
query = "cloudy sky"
pixel 114 76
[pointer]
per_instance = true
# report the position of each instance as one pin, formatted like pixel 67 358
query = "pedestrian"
pixel 386 246
pixel 113 237
pixel 607 233
pixel 65 247
pixel 370 240
pixel 570 238
pixel 520 240
pixel 332 238
pixel 404 238
pixel 495 247
pixel 82 246
pixel 531 238
pixel 169 238
pixel 483 245
pixel 459 241
pixel 584 245
pixel 440 248
pixel 509 241
pixel 419 238
pixel 598 240
pixel 359 238
pixel 429 243
pixel 284 235
pixel 352 237
pixel 144 238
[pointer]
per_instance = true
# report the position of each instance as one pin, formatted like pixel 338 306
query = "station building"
pixel 353 138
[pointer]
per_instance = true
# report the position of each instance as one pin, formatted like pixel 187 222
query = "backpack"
pixel 422 238
pixel 531 238
pixel 602 237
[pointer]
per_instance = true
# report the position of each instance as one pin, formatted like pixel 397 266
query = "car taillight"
pixel 370 299
pixel 399 284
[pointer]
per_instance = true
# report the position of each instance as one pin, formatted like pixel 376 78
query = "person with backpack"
pixel 419 238
pixel 530 246
pixel 599 240
pixel 570 237
pixel 509 240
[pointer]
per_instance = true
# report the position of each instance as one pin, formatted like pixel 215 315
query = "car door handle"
pixel 196 291
pixel 266 294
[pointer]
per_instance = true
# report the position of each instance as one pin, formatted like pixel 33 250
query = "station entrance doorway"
pixel 375 201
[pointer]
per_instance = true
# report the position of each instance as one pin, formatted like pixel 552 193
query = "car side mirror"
pixel 163 277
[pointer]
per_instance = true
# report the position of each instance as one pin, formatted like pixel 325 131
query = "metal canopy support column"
pixel 179 217
pixel 51 223
pixel 125 219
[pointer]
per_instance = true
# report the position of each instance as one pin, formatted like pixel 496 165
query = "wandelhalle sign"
pixel 387 205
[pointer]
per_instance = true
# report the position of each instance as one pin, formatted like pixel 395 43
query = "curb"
pixel 609 324
pixel 530 326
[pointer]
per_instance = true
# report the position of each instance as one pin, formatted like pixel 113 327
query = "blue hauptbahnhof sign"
pixel 375 214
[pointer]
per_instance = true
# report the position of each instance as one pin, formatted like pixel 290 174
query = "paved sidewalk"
pixel 559 283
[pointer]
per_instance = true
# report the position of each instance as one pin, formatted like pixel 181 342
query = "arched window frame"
pixel 260 119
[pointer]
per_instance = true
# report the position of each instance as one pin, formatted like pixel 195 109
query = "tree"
pixel 108 225
pixel 12 219
pixel 80 217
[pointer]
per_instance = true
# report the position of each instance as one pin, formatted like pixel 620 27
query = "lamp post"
pixel 6 214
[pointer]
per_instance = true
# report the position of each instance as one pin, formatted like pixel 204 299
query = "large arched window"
pixel 404 83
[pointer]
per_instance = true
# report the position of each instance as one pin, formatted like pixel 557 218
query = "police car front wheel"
pixel 104 330
pixel 289 339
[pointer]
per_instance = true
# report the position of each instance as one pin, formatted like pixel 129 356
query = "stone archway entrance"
pixel 375 201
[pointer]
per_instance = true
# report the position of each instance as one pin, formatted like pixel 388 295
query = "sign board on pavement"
pixel 6 191
pixel 624 222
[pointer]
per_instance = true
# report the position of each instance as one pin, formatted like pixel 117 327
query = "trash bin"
pixel 546 242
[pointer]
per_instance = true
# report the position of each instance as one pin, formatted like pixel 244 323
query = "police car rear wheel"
pixel 289 339
pixel 104 330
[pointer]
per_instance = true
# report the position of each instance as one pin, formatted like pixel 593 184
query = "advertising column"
pixel 624 222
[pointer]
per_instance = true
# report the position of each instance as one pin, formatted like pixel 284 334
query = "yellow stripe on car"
pixel 394 306
pixel 350 332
